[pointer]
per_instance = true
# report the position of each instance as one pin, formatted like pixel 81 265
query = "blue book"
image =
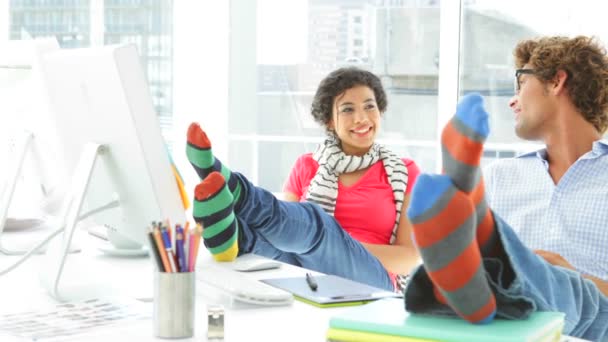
pixel 388 316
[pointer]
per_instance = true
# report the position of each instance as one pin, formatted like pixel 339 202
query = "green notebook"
pixel 331 291
pixel 389 317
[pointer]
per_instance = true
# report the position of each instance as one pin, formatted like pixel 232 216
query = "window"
pixel 266 135
pixel 70 22
pixel 490 31
pixel 248 69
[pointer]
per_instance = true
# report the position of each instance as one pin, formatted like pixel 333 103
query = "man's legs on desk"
pixel 521 281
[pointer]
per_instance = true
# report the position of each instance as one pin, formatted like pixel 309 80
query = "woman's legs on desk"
pixel 241 218
pixel 314 238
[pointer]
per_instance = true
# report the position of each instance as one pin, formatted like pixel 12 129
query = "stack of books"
pixel 387 321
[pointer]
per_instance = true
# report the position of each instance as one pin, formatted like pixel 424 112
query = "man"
pixel 556 199
pixel 474 263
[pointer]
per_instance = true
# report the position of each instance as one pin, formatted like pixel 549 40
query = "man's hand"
pixel 558 260
pixel 554 259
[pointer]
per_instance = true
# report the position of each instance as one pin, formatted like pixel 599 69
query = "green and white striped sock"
pixel 213 208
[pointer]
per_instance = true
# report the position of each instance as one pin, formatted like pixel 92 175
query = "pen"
pixel 194 243
pixel 179 248
pixel 154 251
pixel 186 249
pixel 167 241
pixel 161 250
pixel 171 230
pixel 312 283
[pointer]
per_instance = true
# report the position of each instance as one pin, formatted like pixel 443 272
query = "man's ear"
pixel 558 84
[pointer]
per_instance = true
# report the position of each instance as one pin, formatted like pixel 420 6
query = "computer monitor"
pixel 31 180
pixel 112 141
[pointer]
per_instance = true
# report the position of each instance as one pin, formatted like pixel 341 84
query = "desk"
pixel 20 290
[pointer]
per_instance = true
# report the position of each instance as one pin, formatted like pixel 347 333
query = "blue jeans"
pixel 524 282
pixel 302 234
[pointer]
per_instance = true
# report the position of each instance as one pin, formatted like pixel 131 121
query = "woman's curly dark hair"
pixel 336 83
pixel 585 62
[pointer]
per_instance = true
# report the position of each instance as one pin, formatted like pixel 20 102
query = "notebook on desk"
pixel 331 290
pixel 388 318
pixel 346 335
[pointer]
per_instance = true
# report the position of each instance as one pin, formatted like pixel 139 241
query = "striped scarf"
pixel 323 188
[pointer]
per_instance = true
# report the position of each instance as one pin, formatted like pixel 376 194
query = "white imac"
pixel 32 181
pixel 112 141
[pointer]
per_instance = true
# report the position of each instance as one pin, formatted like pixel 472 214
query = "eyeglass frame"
pixel 519 72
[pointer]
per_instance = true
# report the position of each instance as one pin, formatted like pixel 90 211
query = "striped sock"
pixel 200 155
pixel 213 208
pixel 462 146
pixel 444 223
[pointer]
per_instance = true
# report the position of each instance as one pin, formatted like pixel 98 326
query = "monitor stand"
pixel 54 261
pixel 22 147
pixel 55 258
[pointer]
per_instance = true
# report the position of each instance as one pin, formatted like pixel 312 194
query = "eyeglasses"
pixel 518 73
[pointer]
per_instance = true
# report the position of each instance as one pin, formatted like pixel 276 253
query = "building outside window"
pixel 147 23
pixel 252 73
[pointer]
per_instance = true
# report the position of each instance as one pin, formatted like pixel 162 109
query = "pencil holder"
pixel 174 304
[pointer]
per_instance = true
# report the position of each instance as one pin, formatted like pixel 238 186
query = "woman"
pixel 370 194
pixel 349 103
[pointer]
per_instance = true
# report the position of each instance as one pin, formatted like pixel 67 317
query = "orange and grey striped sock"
pixel 443 220
pixel 462 146
pixel 213 208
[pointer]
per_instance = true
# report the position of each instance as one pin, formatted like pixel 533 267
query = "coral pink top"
pixel 366 209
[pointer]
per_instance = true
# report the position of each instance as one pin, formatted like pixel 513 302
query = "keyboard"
pixel 241 287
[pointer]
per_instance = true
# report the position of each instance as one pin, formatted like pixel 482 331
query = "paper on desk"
pixel 70 319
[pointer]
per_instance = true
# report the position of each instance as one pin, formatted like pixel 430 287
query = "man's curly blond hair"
pixel 585 62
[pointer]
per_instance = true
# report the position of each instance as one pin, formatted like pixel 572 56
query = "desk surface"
pixel 132 277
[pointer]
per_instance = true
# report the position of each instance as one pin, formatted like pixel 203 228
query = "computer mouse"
pixel 250 265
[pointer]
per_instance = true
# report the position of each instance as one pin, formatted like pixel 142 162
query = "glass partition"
pixel 490 30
